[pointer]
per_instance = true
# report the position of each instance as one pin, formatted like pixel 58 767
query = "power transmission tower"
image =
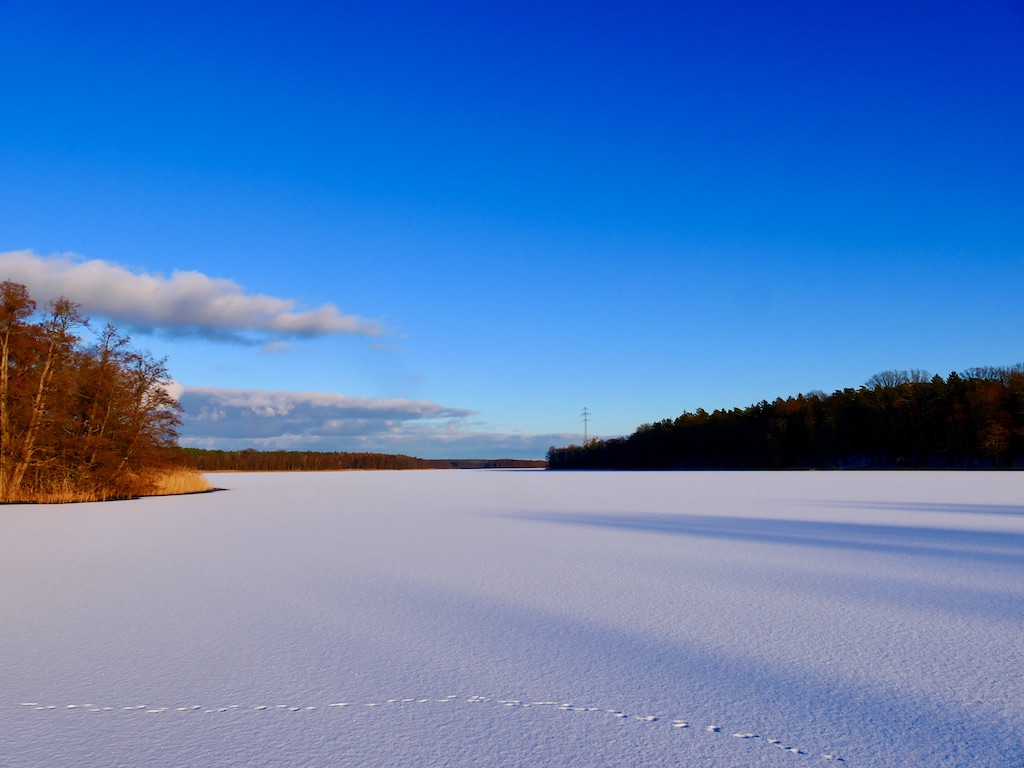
pixel 586 421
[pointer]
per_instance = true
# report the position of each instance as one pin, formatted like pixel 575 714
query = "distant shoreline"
pixel 251 460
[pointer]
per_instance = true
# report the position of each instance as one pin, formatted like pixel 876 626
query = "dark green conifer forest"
pixel 897 419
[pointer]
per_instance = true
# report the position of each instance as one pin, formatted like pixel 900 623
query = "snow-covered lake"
pixel 520 618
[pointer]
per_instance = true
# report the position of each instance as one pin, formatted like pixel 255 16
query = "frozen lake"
pixel 520 618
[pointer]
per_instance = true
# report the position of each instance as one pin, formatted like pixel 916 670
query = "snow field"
pixel 514 618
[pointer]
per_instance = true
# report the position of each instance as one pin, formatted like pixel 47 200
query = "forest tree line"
pixel 77 420
pixel 897 419
pixel 252 460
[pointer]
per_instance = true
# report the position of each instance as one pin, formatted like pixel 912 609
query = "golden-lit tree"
pixel 91 420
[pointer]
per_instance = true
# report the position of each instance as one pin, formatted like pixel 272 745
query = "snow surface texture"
pixel 518 618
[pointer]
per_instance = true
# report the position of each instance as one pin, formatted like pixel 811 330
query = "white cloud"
pixel 187 302
pixel 230 419
pixel 213 412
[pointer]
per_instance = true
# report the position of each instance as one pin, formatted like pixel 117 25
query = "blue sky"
pixel 444 228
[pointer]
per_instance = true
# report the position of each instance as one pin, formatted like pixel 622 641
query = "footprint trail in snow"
pixel 614 715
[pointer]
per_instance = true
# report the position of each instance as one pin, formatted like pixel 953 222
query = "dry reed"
pixel 169 482
pixel 178 482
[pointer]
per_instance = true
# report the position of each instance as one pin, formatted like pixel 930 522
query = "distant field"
pixel 520 618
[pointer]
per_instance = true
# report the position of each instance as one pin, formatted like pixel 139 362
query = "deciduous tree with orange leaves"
pixel 77 421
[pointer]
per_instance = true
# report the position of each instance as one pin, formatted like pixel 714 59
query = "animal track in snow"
pixel 339 707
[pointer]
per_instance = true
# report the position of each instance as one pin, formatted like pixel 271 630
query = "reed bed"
pixel 170 482
pixel 179 482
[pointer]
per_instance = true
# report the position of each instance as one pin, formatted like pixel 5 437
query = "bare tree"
pixel 15 308
pixel 54 352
